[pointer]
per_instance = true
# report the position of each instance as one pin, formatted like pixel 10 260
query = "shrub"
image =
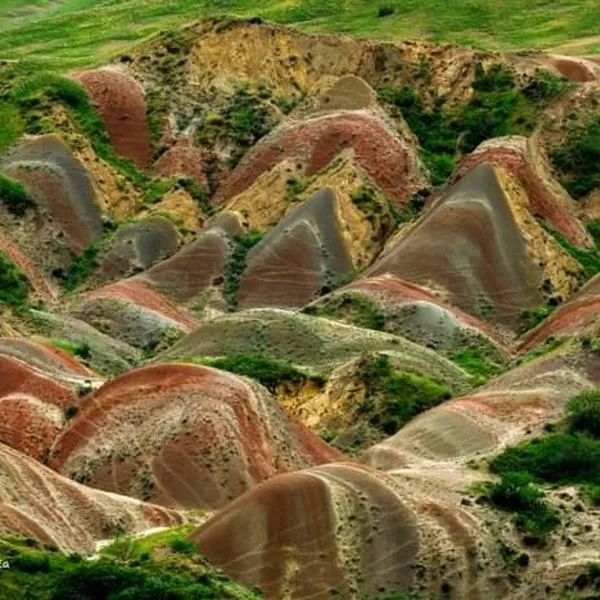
pixel 237 265
pixel 245 121
pixel 578 158
pixel 516 492
pixel 81 267
pixel 183 546
pixel 554 458
pixel 352 308
pixel 266 370
pixel 14 196
pixel 394 397
pixel 479 361
pixel 14 287
pixel 583 413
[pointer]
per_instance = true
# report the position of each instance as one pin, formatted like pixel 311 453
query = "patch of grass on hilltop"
pixel 27 98
pixel 394 397
pixel 568 456
pixel 269 372
pixel 237 265
pixel 350 307
pixel 500 105
pixel 14 287
pixel 161 571
pixel 481 361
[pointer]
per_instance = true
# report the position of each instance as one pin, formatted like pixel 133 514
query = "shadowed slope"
pixel 183 435
pixel 66 514
pixel 139 245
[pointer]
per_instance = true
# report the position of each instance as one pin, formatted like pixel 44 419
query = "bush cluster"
pixel 394 397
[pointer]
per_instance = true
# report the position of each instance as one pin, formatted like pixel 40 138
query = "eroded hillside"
pixel 329 302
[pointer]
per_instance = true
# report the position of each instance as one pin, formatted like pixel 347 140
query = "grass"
pixel 96 30
pixel 588 258
pixel 271 373
pixel 480 362
pixel 160 571
pixel 79 350
pixel 80 268
pixel 578 158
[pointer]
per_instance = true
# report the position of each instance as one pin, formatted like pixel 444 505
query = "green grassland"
pixel 73 33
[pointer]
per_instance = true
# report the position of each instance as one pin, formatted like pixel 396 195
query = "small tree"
pixel 583 412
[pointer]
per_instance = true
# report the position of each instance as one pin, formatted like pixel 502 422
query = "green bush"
pixel 385 11
pixel 267 371
pixel 155 574
pixel 555 458
pixel 479 361
pixel 395 397
pixel 588 258
pixel 498 106
pixel 237 265
pixel 246 120
pixel 14 196
pixel 583 413
pixel 14 287
pixel 183 546
pixel 517 493
pixel 81 267
pixel 578 158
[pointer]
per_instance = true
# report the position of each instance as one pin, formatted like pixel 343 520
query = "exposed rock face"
pixel 183 436
pixel 478 246
pixel 293 262
pixel 133 313
pixel 390 161
pixel 408 310
pixel 576 317
pixel 139 245
pixel 120 101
